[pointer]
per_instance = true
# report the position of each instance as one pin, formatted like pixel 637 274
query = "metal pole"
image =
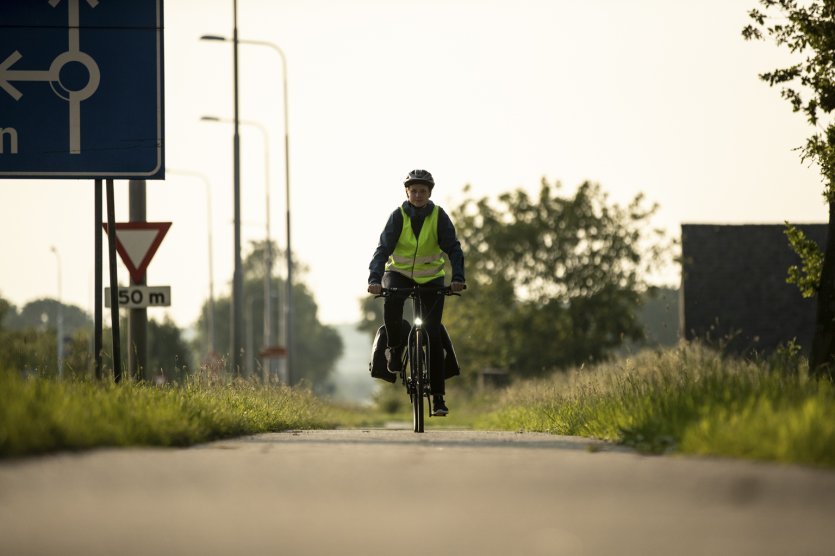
pixel 250 340
pixel 289 318
pixel 267 338
pixel 268 262
pixel 114 284
pixel 60 323
pixel 288 305
pixel 138 318
pixel 97 294
pixel 268 253
pixel 211 316
pixel 237 277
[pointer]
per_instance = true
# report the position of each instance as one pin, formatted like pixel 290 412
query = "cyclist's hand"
pixel 456 286
pixel 375 289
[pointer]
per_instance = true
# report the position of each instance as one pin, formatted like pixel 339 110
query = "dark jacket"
pixel 388 240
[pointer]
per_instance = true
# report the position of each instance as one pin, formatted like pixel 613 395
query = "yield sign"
pixel 137 242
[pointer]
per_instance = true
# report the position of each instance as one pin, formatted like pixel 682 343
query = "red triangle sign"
pixel 137 242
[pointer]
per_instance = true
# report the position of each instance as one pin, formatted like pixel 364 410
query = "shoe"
pixel 439 408
pixel 394 360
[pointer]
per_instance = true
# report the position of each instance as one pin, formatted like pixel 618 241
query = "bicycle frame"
pixel 417 382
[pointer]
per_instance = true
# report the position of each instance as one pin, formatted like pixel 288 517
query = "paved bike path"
pixel 382 491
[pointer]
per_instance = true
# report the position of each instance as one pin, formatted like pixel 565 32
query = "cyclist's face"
pixel 418 194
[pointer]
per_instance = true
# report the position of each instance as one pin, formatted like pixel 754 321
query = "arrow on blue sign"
pixel 7 75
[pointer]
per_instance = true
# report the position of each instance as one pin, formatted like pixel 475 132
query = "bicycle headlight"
pixel 418 321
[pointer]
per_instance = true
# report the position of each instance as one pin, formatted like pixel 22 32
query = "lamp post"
pixel 237 274
pixel 268 249
pixel 211 315
pixel 288 305
pixel 60 323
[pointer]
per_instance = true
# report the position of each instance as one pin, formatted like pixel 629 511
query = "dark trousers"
pixel 432 305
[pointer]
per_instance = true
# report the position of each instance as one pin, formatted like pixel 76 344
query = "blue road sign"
pixel 81 89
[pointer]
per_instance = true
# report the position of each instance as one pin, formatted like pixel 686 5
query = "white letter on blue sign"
pixel 12 134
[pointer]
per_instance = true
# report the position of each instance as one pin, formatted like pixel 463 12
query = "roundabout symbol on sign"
pixel 68 91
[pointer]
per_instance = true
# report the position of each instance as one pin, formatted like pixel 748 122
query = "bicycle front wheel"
pixel 417 411
pixel 417 364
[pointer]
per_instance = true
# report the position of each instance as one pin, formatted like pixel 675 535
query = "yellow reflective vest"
pixel 418 258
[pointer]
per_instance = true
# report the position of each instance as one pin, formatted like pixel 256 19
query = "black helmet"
pixel 419 176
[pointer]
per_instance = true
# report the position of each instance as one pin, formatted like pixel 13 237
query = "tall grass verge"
pixel 688 400
pixel 39 415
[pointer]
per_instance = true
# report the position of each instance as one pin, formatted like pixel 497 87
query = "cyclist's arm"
pixel 385 247
pixel 450 245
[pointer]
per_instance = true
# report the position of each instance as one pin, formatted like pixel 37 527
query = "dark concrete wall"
pixel 734 286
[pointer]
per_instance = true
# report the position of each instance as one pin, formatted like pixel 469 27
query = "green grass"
pixel 42 415
pixel 687 400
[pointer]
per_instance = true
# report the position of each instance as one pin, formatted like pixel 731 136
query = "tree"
pixel 169 355
pixel 28 351
pixel 7 313
pixel 43 314
pixel 28 339
pixel 659 315
pixel 28 342
pixel 807 29
pixel 317 346
pixel 553 280
pixel 371 315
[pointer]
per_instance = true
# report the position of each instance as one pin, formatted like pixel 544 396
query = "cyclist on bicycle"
pixel 411 252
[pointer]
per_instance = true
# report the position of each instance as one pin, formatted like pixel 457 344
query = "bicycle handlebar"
pixel 440 290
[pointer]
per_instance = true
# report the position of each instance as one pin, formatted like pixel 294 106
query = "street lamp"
pixel 237 274
pixel 268 249
pixel 211 316
pixel 288 305
pixel 60 323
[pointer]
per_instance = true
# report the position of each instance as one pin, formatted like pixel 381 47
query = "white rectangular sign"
pixel 140 297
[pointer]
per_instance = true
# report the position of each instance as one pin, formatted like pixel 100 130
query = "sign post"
pixel 81 96
pixel 137 317
pixel 137 242
pixel 114 311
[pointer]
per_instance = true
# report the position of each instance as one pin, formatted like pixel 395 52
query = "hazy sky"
pixel 653 96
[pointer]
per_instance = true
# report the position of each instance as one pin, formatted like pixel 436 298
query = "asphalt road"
pixel 383 492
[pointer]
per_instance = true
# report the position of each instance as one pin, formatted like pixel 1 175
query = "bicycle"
pixel 417 353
